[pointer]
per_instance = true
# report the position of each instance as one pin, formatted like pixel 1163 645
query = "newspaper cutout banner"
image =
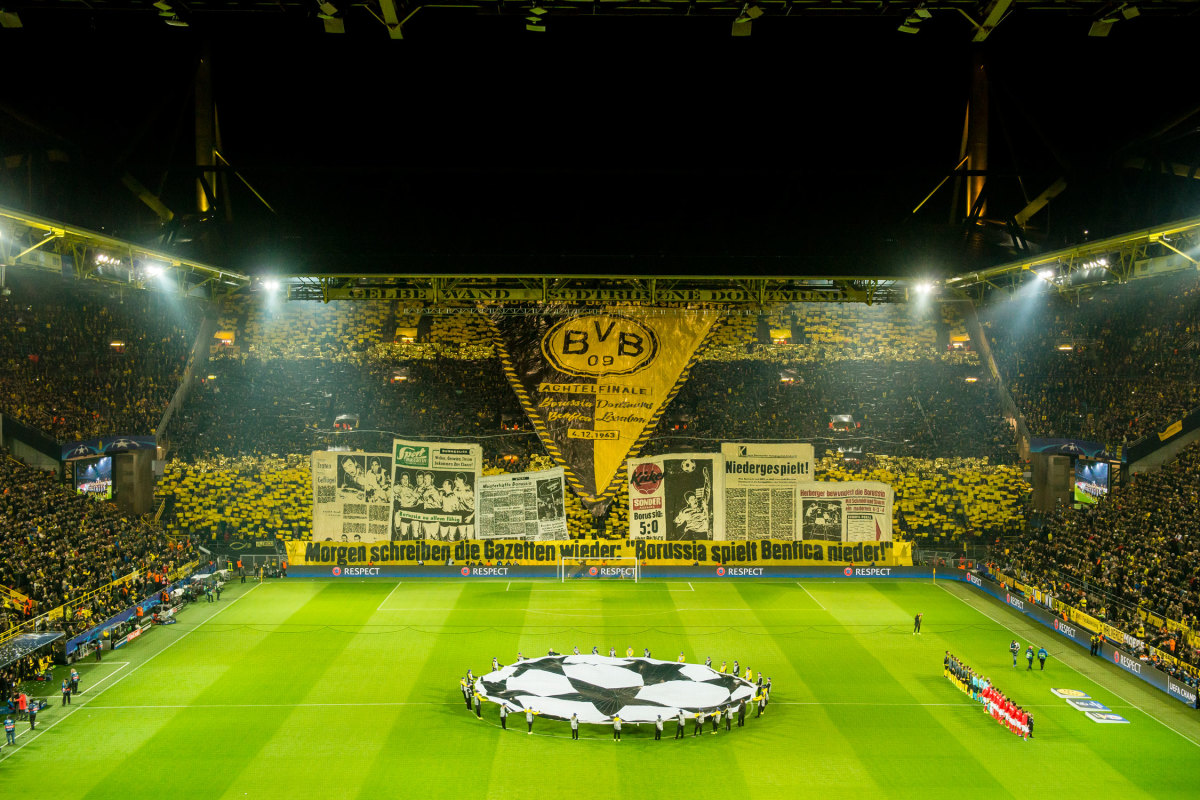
pixel 854 511
pixel 352 496
pixel 433 494
pixel 678 498
pixel 522 505
pixel 594 381
pixel 762 489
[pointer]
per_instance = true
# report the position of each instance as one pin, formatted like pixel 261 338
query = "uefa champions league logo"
pixel 466 571
pixel 848 572
pixel 720 571
pixel 593 572
pixel 337 571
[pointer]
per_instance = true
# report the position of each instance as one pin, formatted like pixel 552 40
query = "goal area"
pixel 626 568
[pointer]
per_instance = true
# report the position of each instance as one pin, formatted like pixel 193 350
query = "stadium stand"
pixel 78 364
pixel 1137 551
pixel 1109 366
pixel 57 546
pixel 242 439
pixel 944 501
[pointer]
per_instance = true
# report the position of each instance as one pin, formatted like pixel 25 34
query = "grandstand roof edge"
pixel 96 238
pixel 597 276
pixel 1159 233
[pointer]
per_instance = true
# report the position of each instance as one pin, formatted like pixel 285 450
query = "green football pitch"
pixel 342 689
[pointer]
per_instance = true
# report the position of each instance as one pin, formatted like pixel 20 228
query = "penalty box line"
pixel 1133 705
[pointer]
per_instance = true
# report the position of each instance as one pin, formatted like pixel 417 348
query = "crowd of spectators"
pixel 57 546
pixel 926 409
pixel 277 407
pixel 77 363
pixel 1136 551
pixel 941 502
pixel 242 440
pixel 1109 366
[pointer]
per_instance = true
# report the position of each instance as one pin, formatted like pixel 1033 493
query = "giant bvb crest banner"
pixel 595 380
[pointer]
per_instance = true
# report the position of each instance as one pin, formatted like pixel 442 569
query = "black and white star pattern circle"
pixel 597 688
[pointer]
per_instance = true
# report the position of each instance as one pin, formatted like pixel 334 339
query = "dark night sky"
pixel 628 144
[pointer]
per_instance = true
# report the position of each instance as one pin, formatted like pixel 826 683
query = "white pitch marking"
pixel 1189 739
pixel 810 594
pixel 267 705
pixel 122 665
pixel 77 706
pixel 383 602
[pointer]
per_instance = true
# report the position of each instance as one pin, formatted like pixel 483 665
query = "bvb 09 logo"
pixel 597 345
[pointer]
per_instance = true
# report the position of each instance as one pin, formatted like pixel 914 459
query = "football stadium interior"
pixel 264 524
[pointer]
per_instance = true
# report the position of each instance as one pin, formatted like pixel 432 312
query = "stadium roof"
pixel 627 139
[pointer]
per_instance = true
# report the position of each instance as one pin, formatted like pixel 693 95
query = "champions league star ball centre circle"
pixel 598 688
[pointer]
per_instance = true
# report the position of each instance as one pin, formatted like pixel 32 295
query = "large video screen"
pixel 1091 481
pixel 93 477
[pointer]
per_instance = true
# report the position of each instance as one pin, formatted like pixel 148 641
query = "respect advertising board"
pixel 678 497
pixel 762 488
pixel 522 505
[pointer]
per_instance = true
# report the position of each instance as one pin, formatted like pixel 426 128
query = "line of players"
pixel 980 689
pixel 474 700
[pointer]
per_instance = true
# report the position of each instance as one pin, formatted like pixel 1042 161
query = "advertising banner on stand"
pixel 352 496
pixel 762 489
pixel 522 505
pixel 433 493
pixel 678 497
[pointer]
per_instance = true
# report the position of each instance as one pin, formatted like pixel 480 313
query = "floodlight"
pixel 924 288
pixel 1045 274
pixel 1100 28
pixel 10 19
pixel 753 12
pixel 908 29
pixel 924 13
pixel 271 284
pixel 162 5
pixel 328 10
pixel 1129 12
pixel 154 270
